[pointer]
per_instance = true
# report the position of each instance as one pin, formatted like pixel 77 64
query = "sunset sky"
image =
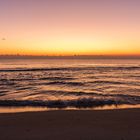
pixel 70 27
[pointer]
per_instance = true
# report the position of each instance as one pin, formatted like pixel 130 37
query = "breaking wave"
pixel 79 103
pixel 96 100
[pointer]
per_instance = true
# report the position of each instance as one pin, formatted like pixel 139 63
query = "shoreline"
pixel 13 109
pixel 120 124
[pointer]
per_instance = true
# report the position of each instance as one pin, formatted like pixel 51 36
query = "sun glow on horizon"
pixel 50 27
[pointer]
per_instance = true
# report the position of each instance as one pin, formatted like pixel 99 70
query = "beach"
pixel 70 70
pixel 123 124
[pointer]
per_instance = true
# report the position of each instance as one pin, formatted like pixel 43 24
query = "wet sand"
pixel 71 125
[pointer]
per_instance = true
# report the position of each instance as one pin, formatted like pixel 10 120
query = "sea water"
pixel 69 83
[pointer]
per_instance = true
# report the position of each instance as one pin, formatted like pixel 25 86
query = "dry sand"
pixel 71 125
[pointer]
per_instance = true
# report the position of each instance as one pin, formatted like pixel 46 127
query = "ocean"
pixel 69 83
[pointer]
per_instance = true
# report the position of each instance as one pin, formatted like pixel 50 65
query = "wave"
pixel 65 83
pixel 105 82
pixel 95 100
pixel 76 103
pixel 31 69
pixel 57 78
pixel 91 94
pixel 37 78
pixel 73 68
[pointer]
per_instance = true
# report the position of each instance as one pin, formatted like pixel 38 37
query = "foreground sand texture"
pixel 71 125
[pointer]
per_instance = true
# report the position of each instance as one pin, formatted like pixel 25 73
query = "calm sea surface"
pixel 69 83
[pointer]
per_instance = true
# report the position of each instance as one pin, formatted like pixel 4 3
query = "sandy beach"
pixel 71 125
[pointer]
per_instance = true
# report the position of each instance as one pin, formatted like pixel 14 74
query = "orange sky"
pixel 61 27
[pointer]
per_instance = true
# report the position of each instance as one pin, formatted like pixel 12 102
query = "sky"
pixel 70 27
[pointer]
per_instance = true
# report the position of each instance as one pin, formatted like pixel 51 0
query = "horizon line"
pixel 18 56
